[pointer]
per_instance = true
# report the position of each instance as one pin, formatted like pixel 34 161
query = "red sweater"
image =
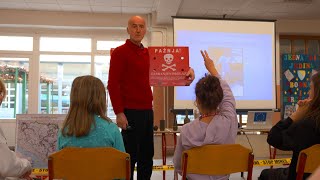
pixel 128 82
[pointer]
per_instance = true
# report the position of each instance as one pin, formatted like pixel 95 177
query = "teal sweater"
pixel 104 134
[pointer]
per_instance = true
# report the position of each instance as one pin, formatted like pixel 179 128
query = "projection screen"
pixel 243 52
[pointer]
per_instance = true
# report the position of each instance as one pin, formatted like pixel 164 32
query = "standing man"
pixel 131 97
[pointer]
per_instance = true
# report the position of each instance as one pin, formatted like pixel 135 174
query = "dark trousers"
pixel 138 141
pixel 274 174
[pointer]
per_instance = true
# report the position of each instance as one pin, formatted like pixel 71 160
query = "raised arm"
pixel 228 105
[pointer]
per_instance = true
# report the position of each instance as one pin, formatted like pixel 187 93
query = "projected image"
pixel 228 62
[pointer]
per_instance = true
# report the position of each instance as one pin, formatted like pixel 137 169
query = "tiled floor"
pixel 157 175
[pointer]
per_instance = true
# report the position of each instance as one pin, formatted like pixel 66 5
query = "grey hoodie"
pixel 221 130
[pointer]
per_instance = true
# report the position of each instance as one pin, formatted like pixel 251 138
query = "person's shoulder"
pixel 120 48
pixel 309 122
pixel 186 127
pixel 106 123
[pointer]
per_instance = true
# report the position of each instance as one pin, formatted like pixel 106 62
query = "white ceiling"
pixel 164 9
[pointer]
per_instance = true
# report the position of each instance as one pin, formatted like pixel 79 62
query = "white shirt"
pixel 10 164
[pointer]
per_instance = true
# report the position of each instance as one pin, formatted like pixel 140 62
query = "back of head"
pixel 209 93
pixel 87 98
pixel 88 93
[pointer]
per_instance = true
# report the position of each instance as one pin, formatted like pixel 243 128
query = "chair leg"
pixel 301 166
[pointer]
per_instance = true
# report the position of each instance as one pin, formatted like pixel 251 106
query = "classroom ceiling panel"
pixel 42 1
pixel 75 8
pixel 192 12
pixel 106 9
pixel 136 10
pixel 74 2
pixel 219 13
pixel 106 4
pixel 13 5
pixel 140 3
pixel 165 9
pixel 44 6
pixel 287 7
pixel 12 1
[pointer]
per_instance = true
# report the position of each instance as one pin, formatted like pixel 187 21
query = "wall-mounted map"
pixel 36 136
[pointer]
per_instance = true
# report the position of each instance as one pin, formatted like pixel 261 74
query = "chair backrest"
pixel 217 160
pixel 309 160
pixel 89 163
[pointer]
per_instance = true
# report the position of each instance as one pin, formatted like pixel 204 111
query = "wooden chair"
pixel 89 163
pixel 217 160
pixel 309 160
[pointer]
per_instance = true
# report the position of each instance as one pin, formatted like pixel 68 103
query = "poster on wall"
pixel 296 73
pixel 168 66
pixel 37 136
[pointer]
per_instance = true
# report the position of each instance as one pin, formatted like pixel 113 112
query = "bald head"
pixel 135 19
pixel 136 29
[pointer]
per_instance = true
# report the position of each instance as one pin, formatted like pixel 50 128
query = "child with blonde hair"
pixel 86 124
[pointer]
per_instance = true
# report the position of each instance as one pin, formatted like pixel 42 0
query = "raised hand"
pixel 208 62
pixel 190 76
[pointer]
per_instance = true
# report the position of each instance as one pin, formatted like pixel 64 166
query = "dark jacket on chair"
pixel 294 136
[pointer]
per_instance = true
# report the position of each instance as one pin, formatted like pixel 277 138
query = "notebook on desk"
pixel 259 120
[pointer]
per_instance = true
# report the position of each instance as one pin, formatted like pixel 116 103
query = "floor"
pixel 157 175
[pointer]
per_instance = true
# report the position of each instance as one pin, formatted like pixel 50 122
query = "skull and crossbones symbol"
pixel 168 58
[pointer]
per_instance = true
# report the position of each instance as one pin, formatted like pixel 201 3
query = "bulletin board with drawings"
pixel 296 73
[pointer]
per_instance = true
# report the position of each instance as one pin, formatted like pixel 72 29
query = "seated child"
pixel 217 123
pixel 86 124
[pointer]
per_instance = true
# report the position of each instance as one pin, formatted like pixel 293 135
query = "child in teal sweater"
pixel 86 124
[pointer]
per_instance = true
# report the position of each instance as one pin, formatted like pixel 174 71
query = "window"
pixel 299 44
pixel 14 72
pixel 61 59
pixel 101 69
pixel 55 44
pixel 16 43
pixel 60 71
pixel 107 45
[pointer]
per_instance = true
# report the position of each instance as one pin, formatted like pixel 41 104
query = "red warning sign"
pixel 168 66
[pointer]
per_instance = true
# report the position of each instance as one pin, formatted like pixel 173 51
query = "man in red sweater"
pixel 131 97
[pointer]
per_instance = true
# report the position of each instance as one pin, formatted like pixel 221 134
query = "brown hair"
pixel 87 99
pixel 314 108
pixel 3 88
pixel 209 93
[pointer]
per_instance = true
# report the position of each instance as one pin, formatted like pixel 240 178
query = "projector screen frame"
pixel 241 110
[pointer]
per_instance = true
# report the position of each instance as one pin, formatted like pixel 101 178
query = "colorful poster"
pixel 296 73
pixel 168 66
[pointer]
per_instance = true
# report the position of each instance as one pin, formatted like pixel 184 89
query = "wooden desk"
pixel 164 145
